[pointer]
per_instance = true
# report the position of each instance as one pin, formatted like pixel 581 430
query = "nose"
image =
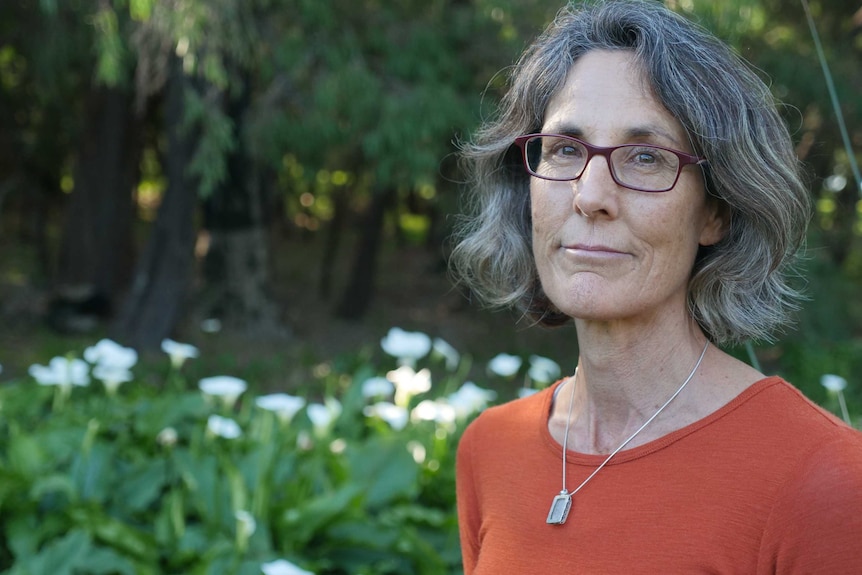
pixel 595 192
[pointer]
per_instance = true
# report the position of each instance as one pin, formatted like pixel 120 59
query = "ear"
pixel 716 224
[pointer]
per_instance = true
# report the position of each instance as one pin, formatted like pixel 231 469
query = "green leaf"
pixel 142 484
pixel 61 556
pixel 114 532
pixel 25 455
pixel 171 410
pixel 94 472
pixel 386 469
pixel 53 483
pixel 302 523
pixel 105 561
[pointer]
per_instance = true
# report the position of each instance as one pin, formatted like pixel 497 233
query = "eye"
pixel 566 150
pixel 644 157
pixel 647 157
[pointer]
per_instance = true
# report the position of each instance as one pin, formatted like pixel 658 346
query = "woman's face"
pixel 605 252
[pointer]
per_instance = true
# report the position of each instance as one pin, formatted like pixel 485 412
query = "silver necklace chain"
pixel 563 502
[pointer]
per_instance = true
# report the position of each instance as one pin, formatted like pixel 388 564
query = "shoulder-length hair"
pixel 739 287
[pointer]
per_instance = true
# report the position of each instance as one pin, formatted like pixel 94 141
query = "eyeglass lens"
pixel 639 166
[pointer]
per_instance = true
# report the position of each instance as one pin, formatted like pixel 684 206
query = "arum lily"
pixel 395 415
pixel 62 372
pixel 433 410
pixel 245 528
pixel 285 406
pixel 409 383
pixel 833 383
pixel 470 398
pixel 167 437
pixel 406 346
pixel 377 387
pixel 107 352
pixel 543 370
pixel 225 387
pixel 179 352
pixel 223 427
pixel 283 567
pixel 322 416
pixel 417 450
pixel 505 365
pixel 447 352
pixel 112 376
pixel 836 384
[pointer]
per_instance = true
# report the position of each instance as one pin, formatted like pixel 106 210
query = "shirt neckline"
pixel 639 451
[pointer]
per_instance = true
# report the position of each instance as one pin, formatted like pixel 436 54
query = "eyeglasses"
pixel 634 166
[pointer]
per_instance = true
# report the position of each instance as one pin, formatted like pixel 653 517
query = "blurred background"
pixel 274 180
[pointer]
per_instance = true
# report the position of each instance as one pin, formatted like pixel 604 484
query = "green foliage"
pixel 139 482
pixel 111 67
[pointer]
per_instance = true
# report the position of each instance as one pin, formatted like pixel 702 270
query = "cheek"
pixel 546 208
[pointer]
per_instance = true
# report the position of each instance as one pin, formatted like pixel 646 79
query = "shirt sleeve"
pixel 816 524
pixel 469 516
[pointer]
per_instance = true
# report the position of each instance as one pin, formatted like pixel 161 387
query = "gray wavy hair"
pixel 739 287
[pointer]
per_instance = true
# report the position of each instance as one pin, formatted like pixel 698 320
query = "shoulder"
pixel 514 424
pixel 775 403
pixel 816 519
pixel 514 416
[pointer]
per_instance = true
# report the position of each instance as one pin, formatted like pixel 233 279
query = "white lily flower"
pixel 417 450
pixel 395 415
pixel 447 352
pixel 833 383
pixel 223 427
pixel 284 405
pixel 283 567
pixel 836 384
pixel 322 416
pixel 505 365
pixel 407 346
pixel 245 523
pixel 179 352
pixel 470 398
pixel 63 372
pixel 433 410
pixel 167 437
pixel 409 383
pixel 112 376
pixel 110 353
pixel 377 387
pixel 543 369
pixel 225 387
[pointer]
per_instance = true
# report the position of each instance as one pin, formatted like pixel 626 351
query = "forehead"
pixel 606 95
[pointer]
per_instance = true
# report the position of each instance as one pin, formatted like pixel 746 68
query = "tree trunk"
pixel 237 266
pixel 163 275
pixel 333 241
pixel 96 247
pixel 360 288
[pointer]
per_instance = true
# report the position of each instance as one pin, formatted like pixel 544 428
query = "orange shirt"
pixel 770 483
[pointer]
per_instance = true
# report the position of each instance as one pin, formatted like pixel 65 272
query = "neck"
pixel 622 383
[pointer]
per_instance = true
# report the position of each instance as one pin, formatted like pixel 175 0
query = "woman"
pixel 639 182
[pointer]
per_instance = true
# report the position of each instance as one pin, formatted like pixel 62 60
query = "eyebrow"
pixel 636 132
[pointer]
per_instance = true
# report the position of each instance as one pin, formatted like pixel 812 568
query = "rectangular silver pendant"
pixel 560 509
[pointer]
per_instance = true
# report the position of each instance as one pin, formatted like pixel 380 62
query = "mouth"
pixel 591 249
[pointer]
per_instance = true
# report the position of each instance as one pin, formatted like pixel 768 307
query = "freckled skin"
pixel 605 253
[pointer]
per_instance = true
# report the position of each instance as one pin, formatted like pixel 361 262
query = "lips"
pixel 591 248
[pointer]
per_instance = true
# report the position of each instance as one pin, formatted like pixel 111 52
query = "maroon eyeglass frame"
pixel 685 159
